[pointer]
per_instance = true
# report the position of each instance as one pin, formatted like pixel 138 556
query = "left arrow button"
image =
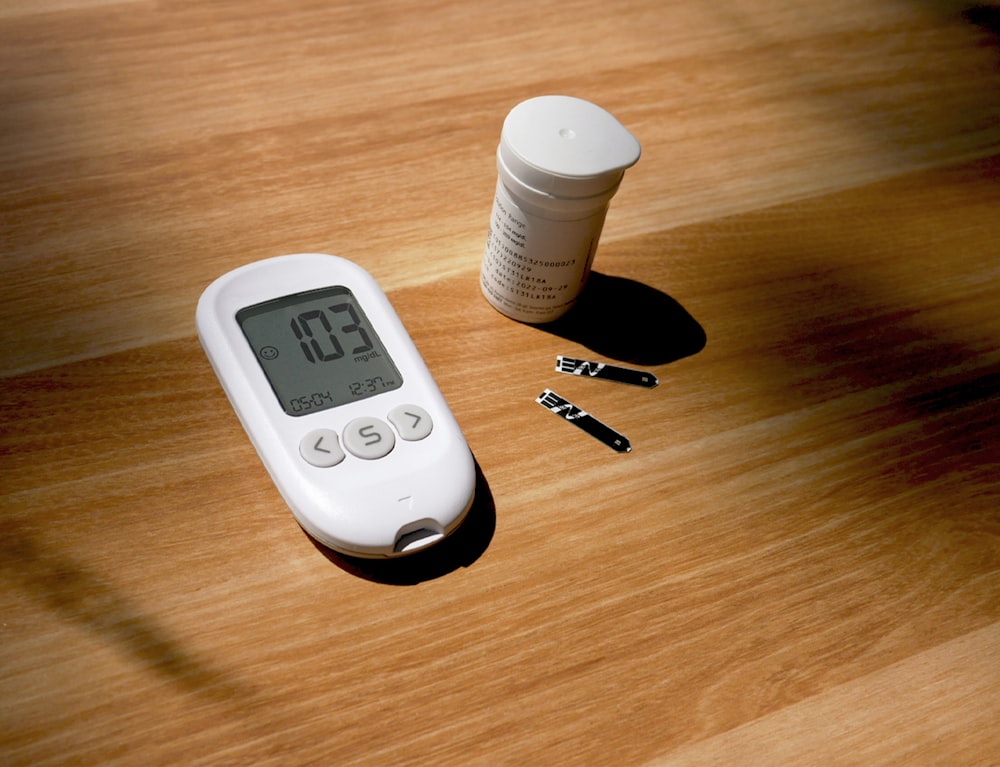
pixel 321 448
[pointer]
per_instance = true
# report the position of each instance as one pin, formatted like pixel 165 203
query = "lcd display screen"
pixel 318 350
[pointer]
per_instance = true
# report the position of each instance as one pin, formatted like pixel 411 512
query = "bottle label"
pixel 534 268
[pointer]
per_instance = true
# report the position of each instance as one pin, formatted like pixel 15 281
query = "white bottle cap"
pixel 565 147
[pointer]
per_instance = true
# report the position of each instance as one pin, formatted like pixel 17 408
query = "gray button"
pixel 368 438
pixel 412 422
pixel 321 448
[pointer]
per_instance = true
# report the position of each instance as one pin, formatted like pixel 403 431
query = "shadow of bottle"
pixel 631 322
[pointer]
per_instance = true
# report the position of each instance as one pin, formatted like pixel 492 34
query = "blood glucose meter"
pixel 338 403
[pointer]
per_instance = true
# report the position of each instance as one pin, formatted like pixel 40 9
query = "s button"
pixel 368 438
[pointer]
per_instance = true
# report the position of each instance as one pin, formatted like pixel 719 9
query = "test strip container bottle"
pixel 559 163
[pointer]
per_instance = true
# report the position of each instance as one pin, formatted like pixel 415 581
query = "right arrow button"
pixel 411 421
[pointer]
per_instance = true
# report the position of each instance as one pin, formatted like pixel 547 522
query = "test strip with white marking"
pixel 605 372
pixel 568 411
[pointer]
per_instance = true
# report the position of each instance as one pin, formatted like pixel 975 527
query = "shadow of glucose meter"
pixel 338 403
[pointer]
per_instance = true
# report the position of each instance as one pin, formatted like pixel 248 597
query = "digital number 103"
pixel 322 344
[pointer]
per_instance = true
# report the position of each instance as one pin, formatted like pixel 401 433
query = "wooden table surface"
pixel 798 563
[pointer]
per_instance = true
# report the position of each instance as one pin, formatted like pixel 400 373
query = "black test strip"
pixel 570 412
pixel 605 372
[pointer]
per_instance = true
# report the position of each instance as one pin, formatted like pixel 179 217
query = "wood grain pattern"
pixel 799 563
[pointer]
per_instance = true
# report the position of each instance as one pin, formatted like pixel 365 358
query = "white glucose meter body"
pixel 338 403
